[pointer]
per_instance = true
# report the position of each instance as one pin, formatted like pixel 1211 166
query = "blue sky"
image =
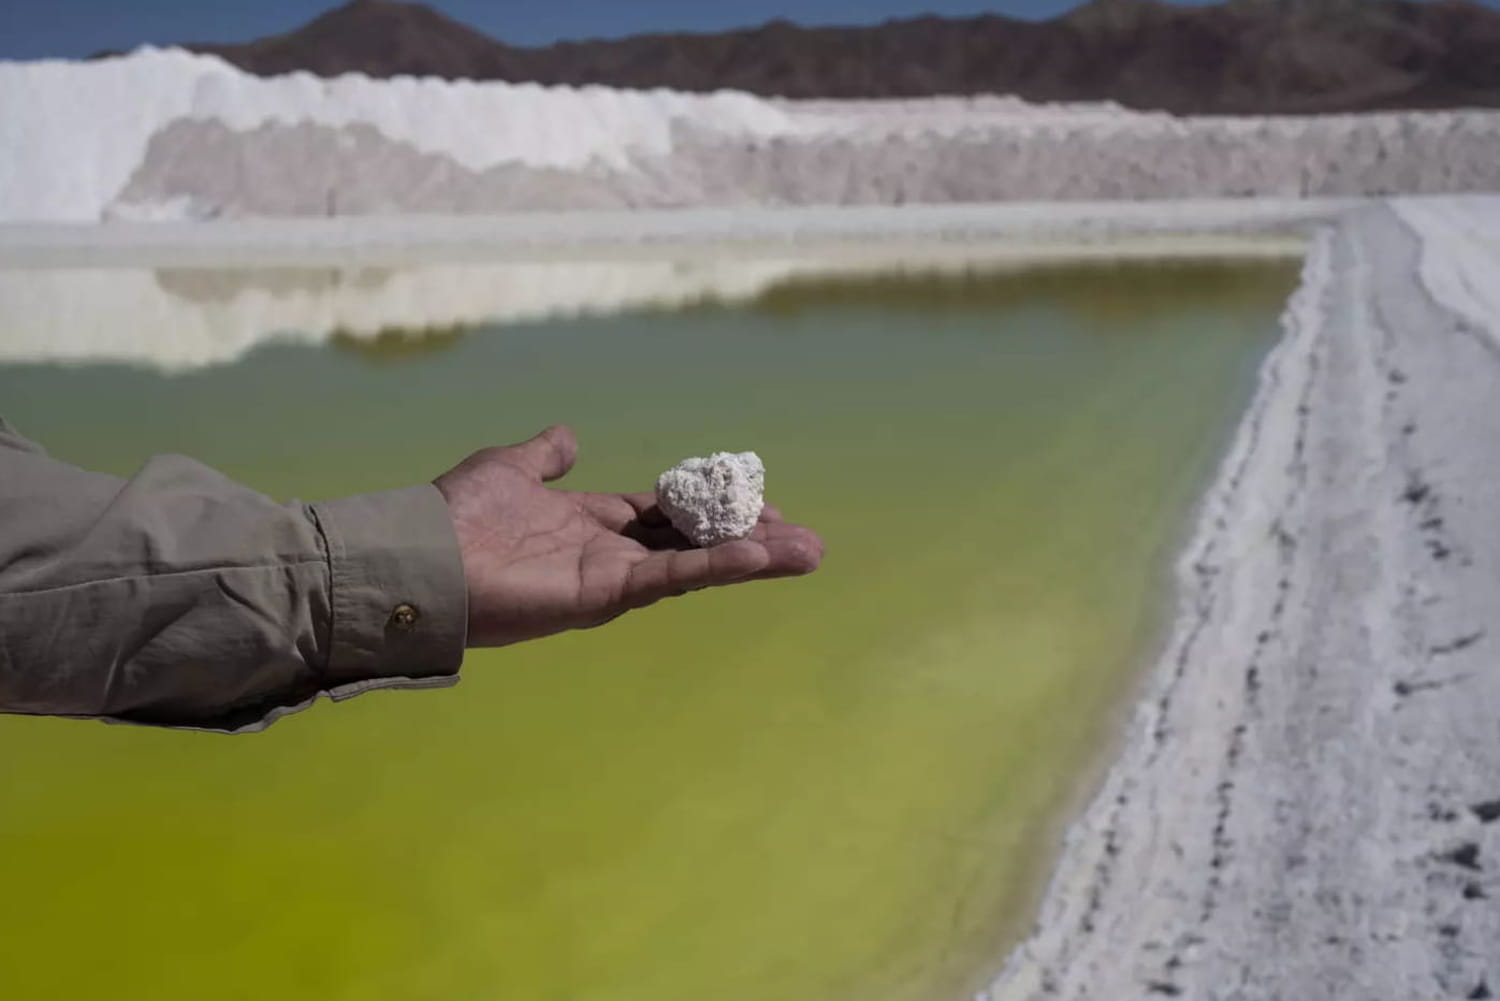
pixel 34 29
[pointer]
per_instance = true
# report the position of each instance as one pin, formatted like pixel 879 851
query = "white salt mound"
pixel 75 132
pixel 168 135
pixel 714 500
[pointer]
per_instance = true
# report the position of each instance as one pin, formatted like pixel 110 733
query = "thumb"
pixel 548 456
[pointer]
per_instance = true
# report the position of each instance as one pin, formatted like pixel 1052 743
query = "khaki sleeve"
pixel 180 598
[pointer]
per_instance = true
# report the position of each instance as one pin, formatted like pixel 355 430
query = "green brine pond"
pixel 844 787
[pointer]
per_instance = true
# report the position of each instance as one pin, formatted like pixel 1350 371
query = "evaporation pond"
pixel 841 787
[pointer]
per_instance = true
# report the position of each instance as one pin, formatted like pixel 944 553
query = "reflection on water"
pixel 177 319
pixel 216 286
pixel 824 789
pixel 1096 291
pixel 181 319
pixel 394 345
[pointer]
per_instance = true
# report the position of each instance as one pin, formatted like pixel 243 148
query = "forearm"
pixel 180 598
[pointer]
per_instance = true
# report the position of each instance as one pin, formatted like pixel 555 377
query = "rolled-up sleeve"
pixel 181 598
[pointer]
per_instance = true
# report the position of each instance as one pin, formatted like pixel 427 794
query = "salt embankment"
pixel 163 134
pixel 1308 800
pixel 1017 230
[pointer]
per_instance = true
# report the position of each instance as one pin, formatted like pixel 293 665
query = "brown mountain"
pixel 1244 56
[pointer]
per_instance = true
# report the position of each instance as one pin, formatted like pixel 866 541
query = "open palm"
pixel 539 560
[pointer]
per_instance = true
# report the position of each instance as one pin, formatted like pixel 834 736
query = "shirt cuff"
pixel 399 601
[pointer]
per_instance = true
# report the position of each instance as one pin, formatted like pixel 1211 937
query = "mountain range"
pixel 1238 57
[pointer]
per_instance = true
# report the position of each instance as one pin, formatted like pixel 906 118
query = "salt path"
pixel 1307 804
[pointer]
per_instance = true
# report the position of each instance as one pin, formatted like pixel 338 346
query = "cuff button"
pixel 404 618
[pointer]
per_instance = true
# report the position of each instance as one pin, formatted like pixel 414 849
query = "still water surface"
pixel 834 788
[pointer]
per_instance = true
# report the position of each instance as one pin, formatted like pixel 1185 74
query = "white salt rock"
pixel 714 500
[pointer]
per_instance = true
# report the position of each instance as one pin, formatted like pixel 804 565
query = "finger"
pixel 610 510
pixel 800 549
pixel 802 546
pixel 615 511
pixel 645 508
pixel 656 537
pixel 624 512
pixel 671 573
pixel 548 456
pixel 793 549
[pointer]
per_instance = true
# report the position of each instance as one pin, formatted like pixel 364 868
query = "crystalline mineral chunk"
pixel 714 500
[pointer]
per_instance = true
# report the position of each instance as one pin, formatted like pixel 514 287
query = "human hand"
pixel 539 560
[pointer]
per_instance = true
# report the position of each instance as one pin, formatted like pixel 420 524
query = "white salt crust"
pixel 714 500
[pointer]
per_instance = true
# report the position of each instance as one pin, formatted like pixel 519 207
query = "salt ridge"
pixel 1457 259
